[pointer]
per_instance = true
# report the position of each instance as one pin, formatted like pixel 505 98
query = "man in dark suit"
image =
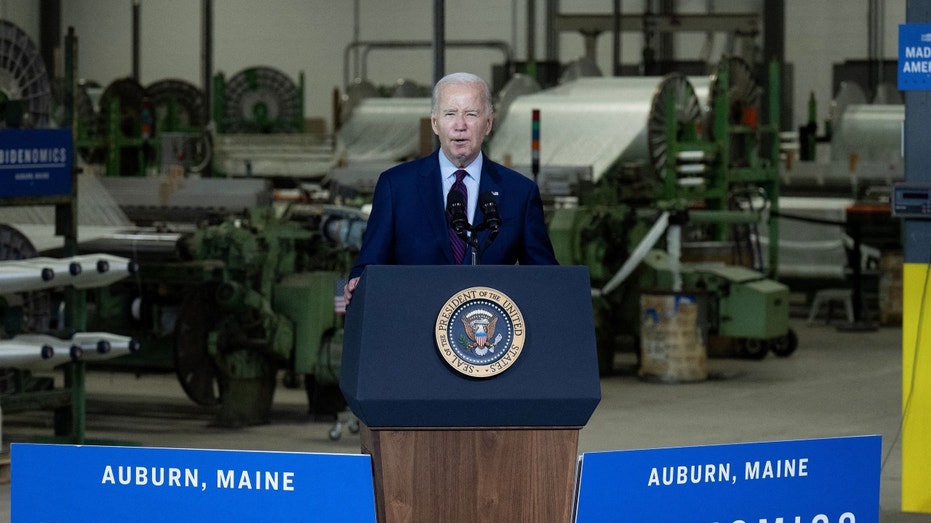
pixel 409 225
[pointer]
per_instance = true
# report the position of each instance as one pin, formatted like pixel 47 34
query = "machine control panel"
pixel 911 200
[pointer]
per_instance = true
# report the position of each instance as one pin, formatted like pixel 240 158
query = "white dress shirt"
pixel 448 170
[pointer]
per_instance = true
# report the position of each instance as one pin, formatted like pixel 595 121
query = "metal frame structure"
pixel 69 401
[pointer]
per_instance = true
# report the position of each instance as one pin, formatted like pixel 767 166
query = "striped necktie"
pixel 457 243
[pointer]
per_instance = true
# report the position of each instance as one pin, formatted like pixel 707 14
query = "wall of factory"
pixel 820 33
pixel 310 36
pixel 24 14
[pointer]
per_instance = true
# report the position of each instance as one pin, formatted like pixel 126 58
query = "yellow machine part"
pixel 916 388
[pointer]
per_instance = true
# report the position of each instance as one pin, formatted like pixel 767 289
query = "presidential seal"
pixel 480 332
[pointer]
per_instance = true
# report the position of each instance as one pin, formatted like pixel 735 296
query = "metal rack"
pixel 68 401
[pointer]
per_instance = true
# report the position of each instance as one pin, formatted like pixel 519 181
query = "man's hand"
pixel 347 290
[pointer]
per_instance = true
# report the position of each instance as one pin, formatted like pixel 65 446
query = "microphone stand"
pixel 473 244
pixel 472 240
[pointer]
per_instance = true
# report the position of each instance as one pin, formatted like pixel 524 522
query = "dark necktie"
pixel 457 243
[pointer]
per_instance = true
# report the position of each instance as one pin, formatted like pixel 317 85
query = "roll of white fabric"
pixel 595 122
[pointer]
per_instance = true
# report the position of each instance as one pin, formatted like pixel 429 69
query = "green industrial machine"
pixel 258 100
pixel 741 304
pixel 712 179
pixel 230 300
pixel 136 129
pixel 235 305
pixel 116 134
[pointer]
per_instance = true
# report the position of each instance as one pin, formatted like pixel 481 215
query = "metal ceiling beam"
pixel 718 22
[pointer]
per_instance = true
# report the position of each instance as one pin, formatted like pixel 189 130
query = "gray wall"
pixel 311 35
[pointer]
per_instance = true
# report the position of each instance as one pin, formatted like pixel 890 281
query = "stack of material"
pixel 193 192
pixel 672 345
pixel 179 200
pixel 269 155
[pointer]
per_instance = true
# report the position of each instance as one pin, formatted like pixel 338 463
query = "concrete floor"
pixel 836 384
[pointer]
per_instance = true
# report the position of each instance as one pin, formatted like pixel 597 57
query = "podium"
pixel 461 430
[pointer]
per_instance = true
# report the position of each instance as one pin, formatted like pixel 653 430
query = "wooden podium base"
pixel 472 475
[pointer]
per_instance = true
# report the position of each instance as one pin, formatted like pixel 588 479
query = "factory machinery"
pixel 684 221
pixel 34 345
pixel 234 303
pixel 31 343
pixel 232 291
pixel 621 160
pixel 229 306
pixel 234 294
pixel 258 126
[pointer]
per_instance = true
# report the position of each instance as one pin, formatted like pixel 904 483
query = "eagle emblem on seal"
pixel 479 326
pixel 479 332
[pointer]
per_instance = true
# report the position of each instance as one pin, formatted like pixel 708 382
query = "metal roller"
pixel 743 91
pixel 744 98
pixel 597 122
pixel 870 133
pixel 23 77
pixel 130 95
pixel 677 89
pixel 184 98
pixel 35 306
pixel 262 100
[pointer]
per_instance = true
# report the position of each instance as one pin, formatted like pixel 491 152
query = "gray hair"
pixel 462 79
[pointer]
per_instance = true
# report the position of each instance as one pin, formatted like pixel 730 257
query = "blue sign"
pixel 914 57
pixel 58 483
pixel 824 480
pixel 35 162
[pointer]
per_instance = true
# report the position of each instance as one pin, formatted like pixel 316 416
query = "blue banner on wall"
pixel 824 480
pixel 914 57
pixel 59 483
pixel 35 162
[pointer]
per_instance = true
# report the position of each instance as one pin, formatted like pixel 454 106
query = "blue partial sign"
pixel 58 483
pixel 35 162
pixel 826 480
pixel 914 57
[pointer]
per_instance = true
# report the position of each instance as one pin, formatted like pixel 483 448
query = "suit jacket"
pixel 408 224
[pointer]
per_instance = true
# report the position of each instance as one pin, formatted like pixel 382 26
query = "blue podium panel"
pixel 394 374
pixel 58 483
pixel 832 480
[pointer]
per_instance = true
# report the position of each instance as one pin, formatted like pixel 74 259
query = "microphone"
pixel 456 212
pixel 486 201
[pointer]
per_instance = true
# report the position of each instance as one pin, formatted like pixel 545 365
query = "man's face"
pixel 461 122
